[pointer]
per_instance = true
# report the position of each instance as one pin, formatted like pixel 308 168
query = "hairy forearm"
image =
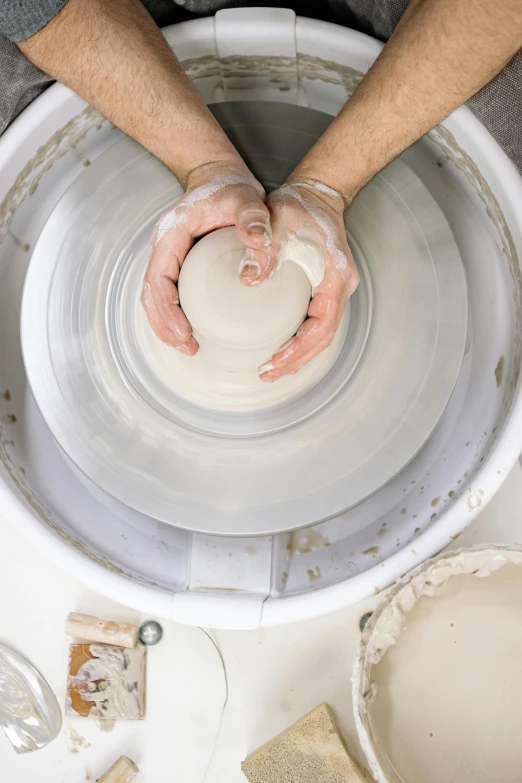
pixel 441 53
pixel 113 55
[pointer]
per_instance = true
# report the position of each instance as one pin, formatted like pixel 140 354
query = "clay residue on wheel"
pixel 465 163
pixel 284 72
pixel 55 148
pixel 303 541
pixel 27 181
pixel 499 371
pixel 315 68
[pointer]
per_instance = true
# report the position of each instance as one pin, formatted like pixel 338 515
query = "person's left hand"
pixel 311 211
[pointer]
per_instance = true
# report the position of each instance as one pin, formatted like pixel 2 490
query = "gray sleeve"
pixel 20 19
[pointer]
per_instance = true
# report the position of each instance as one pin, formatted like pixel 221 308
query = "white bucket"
pixel 269 55
pixel 438 679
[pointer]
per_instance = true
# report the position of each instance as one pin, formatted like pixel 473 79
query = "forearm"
pixel 441 53
pixel 114 56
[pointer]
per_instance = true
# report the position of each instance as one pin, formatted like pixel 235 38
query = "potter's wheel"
pixel 291 463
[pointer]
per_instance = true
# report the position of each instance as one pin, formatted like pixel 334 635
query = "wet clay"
pixel 238 327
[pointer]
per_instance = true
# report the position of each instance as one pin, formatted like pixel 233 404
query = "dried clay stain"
pixel 475 499
pixel 284 72
pixel 447 142
pixel 25 246
pixel 373 551
pixel 305 541
pixel 314 574
pixel 499 371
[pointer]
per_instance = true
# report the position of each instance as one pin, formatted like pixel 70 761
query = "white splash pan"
pixel 437 680
pixel 268 54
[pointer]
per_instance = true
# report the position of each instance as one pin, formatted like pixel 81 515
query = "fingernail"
pixel 257 229
pixel 266 368
pixel 183 348
pixel 251 271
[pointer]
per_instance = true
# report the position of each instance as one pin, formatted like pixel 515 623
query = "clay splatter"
pixel 475 499
pixel 305 541
pixel 499 371
pixel 75 741
pixel 373 551
pixel 314 574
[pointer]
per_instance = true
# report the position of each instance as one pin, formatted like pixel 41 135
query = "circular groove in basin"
pixel 352 440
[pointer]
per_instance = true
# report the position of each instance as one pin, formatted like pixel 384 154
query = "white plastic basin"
pixel 270 55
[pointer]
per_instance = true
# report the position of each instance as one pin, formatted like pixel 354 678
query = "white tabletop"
pixel 274 675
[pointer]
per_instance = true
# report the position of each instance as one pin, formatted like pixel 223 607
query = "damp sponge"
pixel 310 751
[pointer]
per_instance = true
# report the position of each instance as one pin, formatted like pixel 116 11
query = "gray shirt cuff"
pixel 20 19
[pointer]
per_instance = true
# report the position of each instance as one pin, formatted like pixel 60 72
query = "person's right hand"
pixel 215 197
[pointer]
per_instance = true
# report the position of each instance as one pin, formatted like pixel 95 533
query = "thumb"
pixel 253 222
pixel 258 265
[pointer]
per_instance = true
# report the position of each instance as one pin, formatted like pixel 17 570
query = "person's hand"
pixel 311 211
pixel 215 197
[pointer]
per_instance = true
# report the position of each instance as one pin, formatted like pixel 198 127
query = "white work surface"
pixel 274 675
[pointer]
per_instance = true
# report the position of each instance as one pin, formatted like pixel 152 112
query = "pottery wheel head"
pixel 143 423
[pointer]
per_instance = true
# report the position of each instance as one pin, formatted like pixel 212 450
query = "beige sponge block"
pixel 310 751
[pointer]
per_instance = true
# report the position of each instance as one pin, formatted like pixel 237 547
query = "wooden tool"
pixel 92 629
pixel 122 771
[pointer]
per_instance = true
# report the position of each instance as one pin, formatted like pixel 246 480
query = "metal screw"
pixel 151 633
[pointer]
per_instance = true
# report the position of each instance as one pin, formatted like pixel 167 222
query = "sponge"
pixel 310 751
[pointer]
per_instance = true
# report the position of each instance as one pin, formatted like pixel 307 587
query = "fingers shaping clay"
pixel 238 327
